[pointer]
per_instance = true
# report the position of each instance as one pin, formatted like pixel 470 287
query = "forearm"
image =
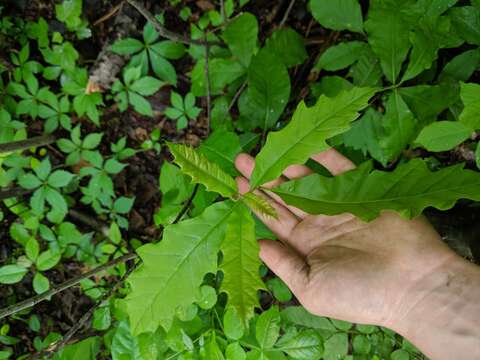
pixel 443 319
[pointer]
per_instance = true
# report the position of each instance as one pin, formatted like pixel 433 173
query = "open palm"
pixel 340 266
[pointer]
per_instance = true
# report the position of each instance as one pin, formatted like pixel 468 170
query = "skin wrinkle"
pixel 395 269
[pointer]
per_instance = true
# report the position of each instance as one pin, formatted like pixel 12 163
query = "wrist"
pixel 442 308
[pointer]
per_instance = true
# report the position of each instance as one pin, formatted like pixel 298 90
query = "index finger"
pixel 333 161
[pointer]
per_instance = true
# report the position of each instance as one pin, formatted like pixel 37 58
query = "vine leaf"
pixel 173 269
pixel 409 189
pixel 307 132
pixel 241 264
pixel 203 171
pixel 259 204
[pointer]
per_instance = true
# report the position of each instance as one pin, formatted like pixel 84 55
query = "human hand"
pixel 342 267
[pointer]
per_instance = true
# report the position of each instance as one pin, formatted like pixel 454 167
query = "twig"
pixel 207 78
pixel 287 12
pixel 222 10
pixel 6 64
pixel 14 192
pixel 90 221
pixel 165 32
pixel 108 15
pixel 13 309
pixel 57 346
pixel 236 96
pixel 28 143
pixel 186 206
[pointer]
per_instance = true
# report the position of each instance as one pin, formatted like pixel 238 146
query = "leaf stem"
pixel 165 32
pixel 27 143
pixel 13 309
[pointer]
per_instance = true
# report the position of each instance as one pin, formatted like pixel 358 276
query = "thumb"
pixel 286 264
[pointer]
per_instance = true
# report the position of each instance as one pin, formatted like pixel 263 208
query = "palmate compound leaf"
pixel 241 264
pixel 203 171
pixel 173 269
pixel 306 133
pixel 409 189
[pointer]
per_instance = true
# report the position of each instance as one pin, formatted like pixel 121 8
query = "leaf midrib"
pixel 372 201
pixel 288 149
pixel 188 254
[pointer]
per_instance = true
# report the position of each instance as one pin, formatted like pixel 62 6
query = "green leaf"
pixel 470 95
pixel 48 259
pixel 341 56
pixel 241 37
pixel 399 126
pixel 56 200
pixel 365 135
pixel 307 132
pixel 222 147
pixel 338 14
pixel 169 49
pixel 279 289
pixel 91 141
pixel 424 53
pixel 11 274
pixel 297 315
pixel 127 46
pixel 409 189
pixel 400 354
pixel 208 297
pixel 259 204
pixel 461 67
pixel 388 35
pixel 113 166
pixel 146 86
pixel 149 33
pixel 427 101
pixel 123 205
pixel 44 169
pixel 361 345
pixel 29 181
pixel 305 345
pixel 241 264
pixel 288 46
pixel 233 325
pixel 140 104
pixel 32 249
pixel 466 20
pixel 443 135
pixel 268 328
pixel 149 346
pixel 114 233
pixel 330 86
pixel 174 183
pixel 69 12
pixel 60 178
pixel 336 346
pixel 234 351
pixel 268 90
pixel 102 318
pixel 40 283
pixel 202 171
pixel 173 269
pixel 84 350
pixel 221 73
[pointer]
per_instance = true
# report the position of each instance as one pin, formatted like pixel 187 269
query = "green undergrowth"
pixel 393 87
